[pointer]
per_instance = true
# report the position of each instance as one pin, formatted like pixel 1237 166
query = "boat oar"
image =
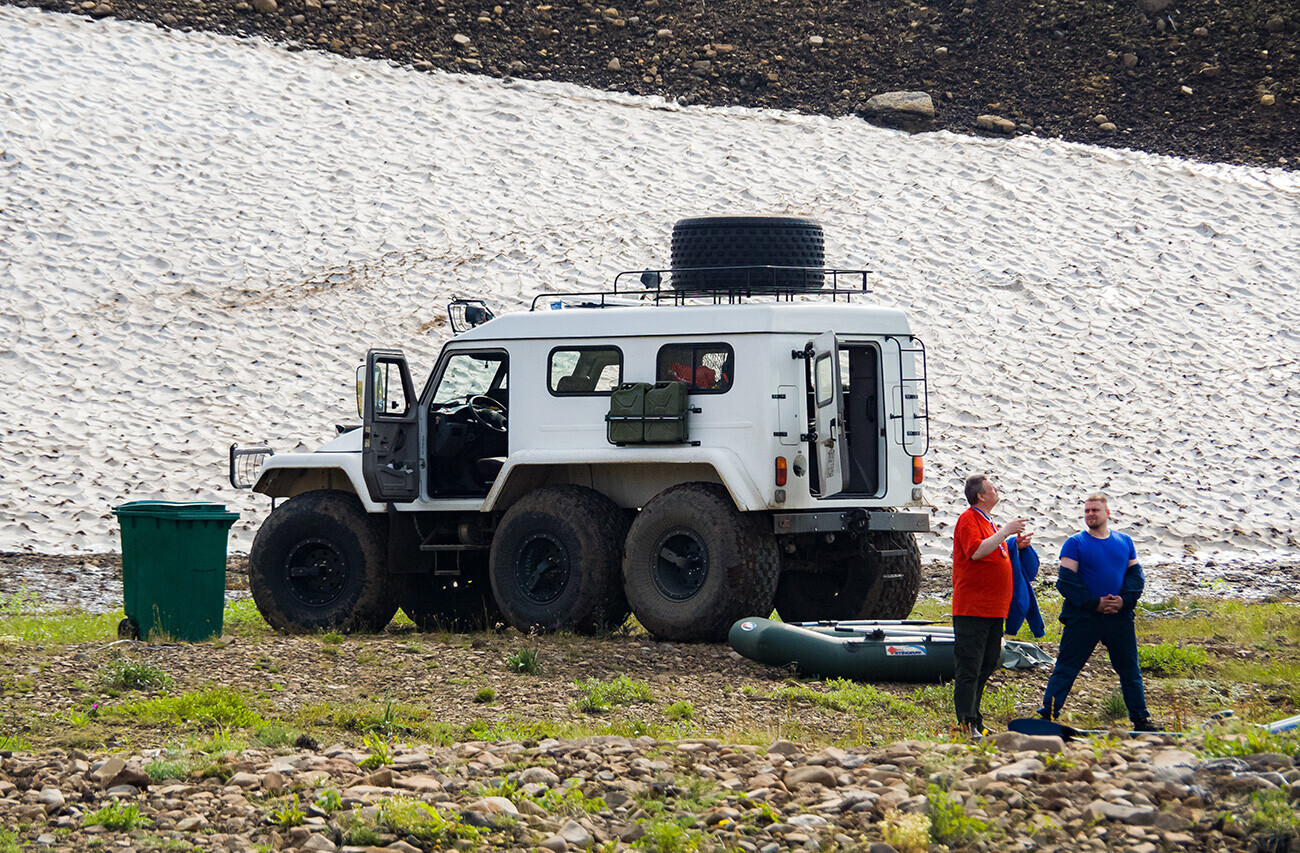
pixel 1039 726
pixel 832 623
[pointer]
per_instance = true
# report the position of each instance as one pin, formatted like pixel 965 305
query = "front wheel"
pixel 694 564
pixel 319 563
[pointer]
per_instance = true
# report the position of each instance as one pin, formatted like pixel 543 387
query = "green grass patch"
pixel 525 661
pixel 680 711
pixel 8 841
pixel 128 673
pixel 1237 739
pixel 274 734
pixel 949 823
pixel 287 813
pixel 23 628
pixel 242 619
pixel 162 769
pixel 118 817
pixel 1272 814
pixel 1167 659
pixel 1279 676
pixel 513 728
pixel 669 836
pixel 598 697
pixel 388 718
pixel 215 707
pixel 405 816
pixel 380 754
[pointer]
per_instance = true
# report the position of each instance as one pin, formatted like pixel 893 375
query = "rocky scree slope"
pixel 1205 79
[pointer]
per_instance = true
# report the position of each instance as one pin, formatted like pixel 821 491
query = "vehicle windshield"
pixel 469 375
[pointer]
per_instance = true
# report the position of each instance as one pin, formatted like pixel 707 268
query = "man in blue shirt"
pixel 1101 582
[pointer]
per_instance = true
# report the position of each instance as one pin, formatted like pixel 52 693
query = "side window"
pixel 707 368
pixel 585 370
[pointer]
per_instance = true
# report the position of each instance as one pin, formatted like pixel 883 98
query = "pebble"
pixel 1142 794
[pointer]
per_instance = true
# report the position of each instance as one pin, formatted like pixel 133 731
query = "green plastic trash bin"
pixel 173 568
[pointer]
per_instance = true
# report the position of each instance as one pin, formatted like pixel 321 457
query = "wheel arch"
pixel 288 478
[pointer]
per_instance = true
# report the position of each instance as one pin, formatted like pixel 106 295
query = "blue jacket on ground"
pixel 1024 603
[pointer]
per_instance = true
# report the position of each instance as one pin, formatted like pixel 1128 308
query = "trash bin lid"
pixel 178 510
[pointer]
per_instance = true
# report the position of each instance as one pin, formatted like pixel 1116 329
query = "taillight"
pixel 918 470
pixel 780 470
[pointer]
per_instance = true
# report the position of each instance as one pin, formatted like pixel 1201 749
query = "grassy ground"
pixel 71 684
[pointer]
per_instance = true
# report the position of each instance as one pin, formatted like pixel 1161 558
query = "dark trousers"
pixel 1078 641
pixel 978 648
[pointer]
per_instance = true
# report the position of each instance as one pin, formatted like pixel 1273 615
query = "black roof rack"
pixel 715 285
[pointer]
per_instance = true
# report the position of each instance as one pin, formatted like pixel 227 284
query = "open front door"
pixel 390 446
pixel 828 416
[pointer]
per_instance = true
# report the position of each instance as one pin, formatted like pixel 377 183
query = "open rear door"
pixel 828 416
pixel 390 447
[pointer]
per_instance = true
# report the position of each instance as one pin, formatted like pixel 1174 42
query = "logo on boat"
pixel 905 651
pixel 747 626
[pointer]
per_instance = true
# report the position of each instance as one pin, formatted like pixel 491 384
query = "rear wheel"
pixel 461 602
pixel 694 564
pixel 319 563
pixel 894 594
pixel 880 579
pixel 555 561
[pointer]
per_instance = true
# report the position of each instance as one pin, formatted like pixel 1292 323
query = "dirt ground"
pixel 442 679
pixel 1201 79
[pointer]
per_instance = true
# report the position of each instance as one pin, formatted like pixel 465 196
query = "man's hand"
pixel 1012 528
pixel 1023 540
pixel 1110 604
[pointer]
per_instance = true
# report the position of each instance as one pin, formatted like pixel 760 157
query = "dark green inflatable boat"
pixel 860 651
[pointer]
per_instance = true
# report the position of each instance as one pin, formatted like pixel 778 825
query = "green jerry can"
pixel 647 413
pixel 173 568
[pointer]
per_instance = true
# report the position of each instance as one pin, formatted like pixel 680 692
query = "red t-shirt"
pixel 979 587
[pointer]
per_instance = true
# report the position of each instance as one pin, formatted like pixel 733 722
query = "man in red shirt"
pixel 981 596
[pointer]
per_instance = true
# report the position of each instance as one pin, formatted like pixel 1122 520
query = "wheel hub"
pixel 542 568
pixel 681 564
pixel 316 572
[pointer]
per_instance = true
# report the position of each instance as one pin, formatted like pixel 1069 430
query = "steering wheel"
pixel 488 412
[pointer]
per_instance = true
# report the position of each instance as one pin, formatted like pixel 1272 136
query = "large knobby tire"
pixel 555 561
pixel 320 563
pixel 894 594
pixel 694 564
pixel 461 602
pixel 747 241
pixel 880 579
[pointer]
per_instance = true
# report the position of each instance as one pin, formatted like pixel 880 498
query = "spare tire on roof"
pixel 747 241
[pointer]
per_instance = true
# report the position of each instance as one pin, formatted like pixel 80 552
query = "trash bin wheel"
pixel 320 563
pixel 128 629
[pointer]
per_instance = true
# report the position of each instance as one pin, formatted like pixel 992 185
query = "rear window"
pixel 585 370
pixel 706 368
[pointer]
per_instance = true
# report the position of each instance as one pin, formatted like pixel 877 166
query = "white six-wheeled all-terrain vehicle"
pixel 694 445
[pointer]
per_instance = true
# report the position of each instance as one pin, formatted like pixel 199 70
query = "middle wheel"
pixel 555 561
pixel 694 564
